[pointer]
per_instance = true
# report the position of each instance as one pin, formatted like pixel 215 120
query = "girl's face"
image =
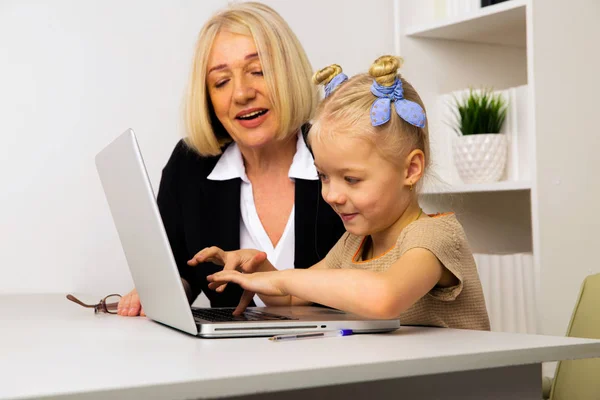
pixel 366 190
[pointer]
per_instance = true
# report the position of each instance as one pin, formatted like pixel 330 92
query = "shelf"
pixel 476 188
pixel 503 24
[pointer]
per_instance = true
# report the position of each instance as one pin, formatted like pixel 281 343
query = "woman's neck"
pixel 271 160
pixel 386 239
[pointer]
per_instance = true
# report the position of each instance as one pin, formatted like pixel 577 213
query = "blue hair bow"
pixel 408 110
pixel 335 82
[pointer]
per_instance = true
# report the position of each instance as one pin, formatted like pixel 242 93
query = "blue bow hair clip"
pixel 335 82
pixel 408 110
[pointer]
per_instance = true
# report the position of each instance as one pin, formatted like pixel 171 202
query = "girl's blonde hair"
pixel 286 69
pixel 347 111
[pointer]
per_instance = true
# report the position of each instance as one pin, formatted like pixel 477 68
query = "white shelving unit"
pixel 550 211
pixel 502 24
pixel 474 188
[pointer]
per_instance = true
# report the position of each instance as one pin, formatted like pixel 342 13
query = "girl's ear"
pixel 414 167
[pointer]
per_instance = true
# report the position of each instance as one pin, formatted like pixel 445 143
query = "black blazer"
pixel 199 213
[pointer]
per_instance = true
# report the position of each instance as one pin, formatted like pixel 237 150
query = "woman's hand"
pixel 130 306
pixel 266 283
pixel 246 260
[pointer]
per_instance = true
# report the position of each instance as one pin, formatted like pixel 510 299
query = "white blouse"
pixel 252 232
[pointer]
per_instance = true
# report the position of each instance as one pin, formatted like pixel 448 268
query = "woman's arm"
pixel 371 294
pixel 169 206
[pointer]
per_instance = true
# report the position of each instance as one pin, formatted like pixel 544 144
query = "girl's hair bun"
pixel 385 69
pixel 325 75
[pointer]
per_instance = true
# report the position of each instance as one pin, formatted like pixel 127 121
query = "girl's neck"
pixel 383 241
pixel 269 161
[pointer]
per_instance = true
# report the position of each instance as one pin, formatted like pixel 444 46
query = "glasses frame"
pixel 101 307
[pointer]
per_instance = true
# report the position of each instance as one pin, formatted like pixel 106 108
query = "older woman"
pixel 244 177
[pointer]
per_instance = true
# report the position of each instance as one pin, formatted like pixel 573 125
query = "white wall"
pixel 73 75
pixel 565 75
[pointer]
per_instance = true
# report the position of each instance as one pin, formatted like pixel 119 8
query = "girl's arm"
pixel 290 300
pixel 272 298
pixel 371 294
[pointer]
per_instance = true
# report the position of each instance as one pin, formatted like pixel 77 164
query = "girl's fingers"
pixel 223 277
pixel 232 265
pixel 247 297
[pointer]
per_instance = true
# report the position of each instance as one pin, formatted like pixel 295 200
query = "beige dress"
pixel 460 306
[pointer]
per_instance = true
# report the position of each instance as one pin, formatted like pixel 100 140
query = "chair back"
pixel 580 379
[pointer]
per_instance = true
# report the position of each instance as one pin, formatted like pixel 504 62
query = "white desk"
pixel 52 347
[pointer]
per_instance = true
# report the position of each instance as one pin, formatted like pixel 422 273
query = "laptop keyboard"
pixel 226 315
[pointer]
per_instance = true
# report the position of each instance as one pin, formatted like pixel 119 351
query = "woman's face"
pixel 238 90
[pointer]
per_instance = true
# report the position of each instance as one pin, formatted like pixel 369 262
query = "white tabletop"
pixel 51 346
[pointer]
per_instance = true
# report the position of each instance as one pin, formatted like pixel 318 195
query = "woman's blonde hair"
pixel 347 111
pixel 287 72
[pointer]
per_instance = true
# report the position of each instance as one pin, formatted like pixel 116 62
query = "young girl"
pixel 371 148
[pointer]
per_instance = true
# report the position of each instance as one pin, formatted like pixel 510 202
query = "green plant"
pixel 481 111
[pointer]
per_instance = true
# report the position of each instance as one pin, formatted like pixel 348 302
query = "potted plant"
pixel 480 150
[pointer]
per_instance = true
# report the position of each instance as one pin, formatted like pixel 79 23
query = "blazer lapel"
pixel 222 229
pixel 223 201
pixel 306 205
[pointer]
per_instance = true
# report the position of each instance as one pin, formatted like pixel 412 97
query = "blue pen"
pixel 312 335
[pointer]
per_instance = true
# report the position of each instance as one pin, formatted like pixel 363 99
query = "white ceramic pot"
pixel 480 158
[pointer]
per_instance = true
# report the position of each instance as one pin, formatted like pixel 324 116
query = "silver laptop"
pixel 135 213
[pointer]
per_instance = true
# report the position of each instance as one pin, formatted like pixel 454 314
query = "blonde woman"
pixel 244 177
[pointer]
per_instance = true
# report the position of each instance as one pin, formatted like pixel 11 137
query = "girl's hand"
pixel 266 283
pixel 246 260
